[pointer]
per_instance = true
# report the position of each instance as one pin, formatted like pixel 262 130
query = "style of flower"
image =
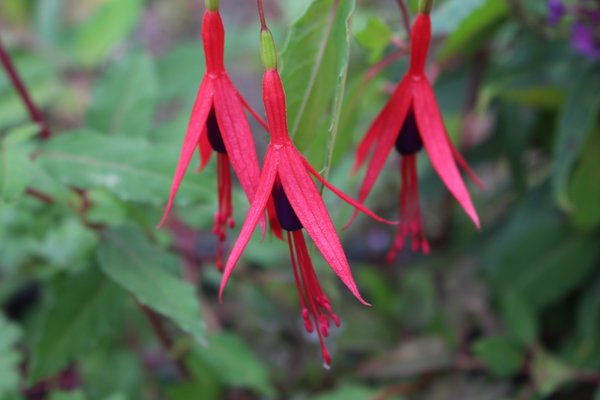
pixel 286 180
pixel 410 120
pixel 218 124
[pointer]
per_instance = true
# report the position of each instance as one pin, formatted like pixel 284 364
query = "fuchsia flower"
pixel 410 120
pixel 286 179
pixel 219 124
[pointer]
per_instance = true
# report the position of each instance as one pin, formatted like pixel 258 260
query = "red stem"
pixel 163 337
pixel 261 14
pixel 34 113
pixel 43 197
pixel 405 17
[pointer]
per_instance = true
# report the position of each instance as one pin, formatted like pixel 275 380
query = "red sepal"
pixel 310 209
pixel 256 212
pixel 435 140
pixel 204 150
pixel 191 140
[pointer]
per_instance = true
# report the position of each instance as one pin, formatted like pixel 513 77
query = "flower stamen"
pixel 316 307
pixel 411 222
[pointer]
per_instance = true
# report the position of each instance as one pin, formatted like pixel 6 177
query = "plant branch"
pixel 43 197
pixel 261 15
pixel 163 337
pixel 17 82
pixel 405 17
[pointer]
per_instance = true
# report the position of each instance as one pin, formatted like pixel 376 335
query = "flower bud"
pixel 268 52
pixel 425 6
pixel 212 5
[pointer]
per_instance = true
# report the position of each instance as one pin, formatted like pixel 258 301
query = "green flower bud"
pixel 212 5
pixel 425 6
pixel 268 52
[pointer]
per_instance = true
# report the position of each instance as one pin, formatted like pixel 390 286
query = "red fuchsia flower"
pixel 410 120
pixel 286 179
pixel 219 124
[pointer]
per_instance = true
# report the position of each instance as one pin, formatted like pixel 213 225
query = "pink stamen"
pixel 411 222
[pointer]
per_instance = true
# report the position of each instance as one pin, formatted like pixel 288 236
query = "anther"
pixel 214 133
pixel 409 139
pixel 285 213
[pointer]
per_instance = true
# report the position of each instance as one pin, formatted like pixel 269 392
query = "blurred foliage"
pixel 96 303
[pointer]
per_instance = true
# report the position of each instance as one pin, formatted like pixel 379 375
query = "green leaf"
pixel 515 130
pixel 519 318
pixel 348 392
pixel 549 373
pixel 131 260
pixel 70 395
pixel 67 243
pixel 576 122
pixel 449 16
pixel 123 376
pixel 43 84
pixel 105 29
pixel 48 20
pixel 375 36
pixel 315 62
pixel 180 71
pixel 10 358
pixel 475 27
pixel 105 209
pixel 131 169
pixel 124 99
pixel 536 257
pixel 588 314
pixel 15 162
pixel 584 188
pixel 235 364
pixel 500 354
pixel 84 310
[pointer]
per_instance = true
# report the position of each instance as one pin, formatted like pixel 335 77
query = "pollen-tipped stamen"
pixel 316 307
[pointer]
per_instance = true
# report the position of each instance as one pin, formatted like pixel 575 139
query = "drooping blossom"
pixel 286 180
pixel 219 124
pixel 410 121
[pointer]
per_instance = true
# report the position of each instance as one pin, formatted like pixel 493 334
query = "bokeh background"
pixel 96 303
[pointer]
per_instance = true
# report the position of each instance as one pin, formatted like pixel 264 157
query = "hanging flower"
pixel 218 124
pixel 286 180
pixel 410 121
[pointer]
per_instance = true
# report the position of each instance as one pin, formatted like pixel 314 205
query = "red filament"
pixel 316 307
pixel 411 222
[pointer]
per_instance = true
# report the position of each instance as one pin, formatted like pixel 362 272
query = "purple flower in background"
pixel 584 17
pixel 585 32
pixel 586 40
pixel 556 11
